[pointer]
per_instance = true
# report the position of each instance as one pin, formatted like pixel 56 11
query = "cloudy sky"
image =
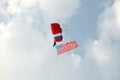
pixel 26 51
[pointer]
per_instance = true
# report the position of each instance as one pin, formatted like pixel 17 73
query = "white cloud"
pixel 76 59
pixel 105 51
pixel 25 45
pixel 59 10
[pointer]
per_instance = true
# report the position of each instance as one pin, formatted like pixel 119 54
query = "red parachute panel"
pixel 57 32
pixel 55 28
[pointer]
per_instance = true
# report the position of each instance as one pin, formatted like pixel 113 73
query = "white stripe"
pixel 57 34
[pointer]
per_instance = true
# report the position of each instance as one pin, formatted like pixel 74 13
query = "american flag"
pixel 66 47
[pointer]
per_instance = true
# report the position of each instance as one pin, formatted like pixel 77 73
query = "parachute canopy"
pixel 66 47
pixel 57 32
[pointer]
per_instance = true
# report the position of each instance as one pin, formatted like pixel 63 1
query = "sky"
pixel 26 51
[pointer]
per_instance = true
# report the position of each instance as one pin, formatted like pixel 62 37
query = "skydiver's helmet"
pixel 54 44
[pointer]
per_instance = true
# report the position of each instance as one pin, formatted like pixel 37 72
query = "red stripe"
pixel 67 47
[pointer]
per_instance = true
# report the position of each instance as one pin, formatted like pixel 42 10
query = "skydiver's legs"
pixel 54 44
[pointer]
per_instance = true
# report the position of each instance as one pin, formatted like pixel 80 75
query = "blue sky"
pixel 26 51
pixel 86 20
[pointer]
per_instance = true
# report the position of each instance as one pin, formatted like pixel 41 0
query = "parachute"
pixel 57 32
pixel 66 47
pixel 58 37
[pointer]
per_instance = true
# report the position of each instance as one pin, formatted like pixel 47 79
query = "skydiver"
pixel 54 44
